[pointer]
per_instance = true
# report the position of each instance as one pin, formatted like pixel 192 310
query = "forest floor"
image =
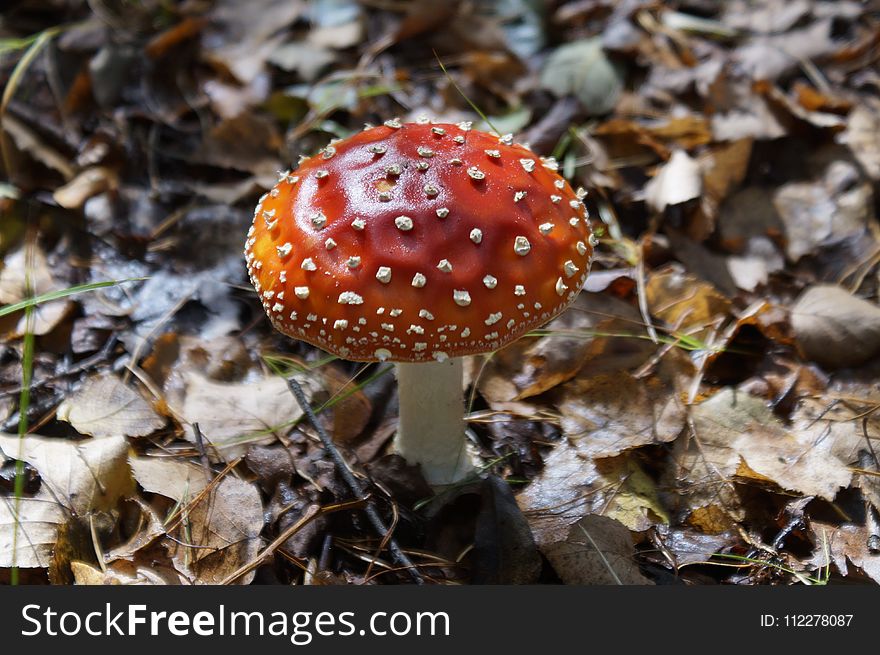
pixel 706 412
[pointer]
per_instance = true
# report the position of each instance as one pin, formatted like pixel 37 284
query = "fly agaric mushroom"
pixel 419 243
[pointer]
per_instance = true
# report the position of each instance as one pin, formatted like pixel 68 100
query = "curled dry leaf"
pixel 737 435
pixel 220 531
pixel 22 270
pixel 46 317
pixel 149 528
pixel 834 328
pixel 89 182
pixel 123 572
pixel 76 479
pixel 847 546
pixel 678 181
pixel 529 367
pixel 824 212
pixel 105 407
pixel 684 301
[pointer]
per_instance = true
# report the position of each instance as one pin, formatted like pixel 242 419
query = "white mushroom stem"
pixel 431 431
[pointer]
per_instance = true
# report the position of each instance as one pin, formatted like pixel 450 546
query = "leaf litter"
pixel 711 395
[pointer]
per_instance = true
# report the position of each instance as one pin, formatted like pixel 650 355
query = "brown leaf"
pixel 532 366
pixel 609 413
pixel 821 213
pixel 684 302
pixel 351 414
pixel 223 527
pixel 37 518
pixel 598 550
pixel 737 435
pixel 688 131
pixel 83 476
pixel 233 415
pixel 572 486
pixel 106 407
pixel 724 168
pixel 76 478
pixel 847 546
pixel 835 328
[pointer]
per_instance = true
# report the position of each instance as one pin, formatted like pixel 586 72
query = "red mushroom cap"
pixel 418 241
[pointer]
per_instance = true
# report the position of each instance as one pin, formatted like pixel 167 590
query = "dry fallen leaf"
pixel 105 407
pixel 826 211
pixel 224 530
pixel 170 478
pixel 737 435
pixel 40 516
pixel 351 413
pixel 83 476
pixel 233 415
pixel 46 316
pixel 14 283
pixel 684 301
pixel 834 328
pixel 220 531
pixel 123 573
pixel 847 546
pixel 678 181
pixel 597 551
pixel 572 486
pixel 687 546
pixel 862 135
pixel 77 478
pixel 752 268
pixel 89 182
pixel 529 367
pixel 612 412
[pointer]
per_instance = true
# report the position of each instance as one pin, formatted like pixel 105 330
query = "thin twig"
pixel 203 453
pixel 306 518
pixel 353 483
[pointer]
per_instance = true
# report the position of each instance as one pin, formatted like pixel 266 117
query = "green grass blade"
pixel 62 293
pixel 463 95
pixel 24 401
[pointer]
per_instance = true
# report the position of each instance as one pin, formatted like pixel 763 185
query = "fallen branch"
pixel 353 483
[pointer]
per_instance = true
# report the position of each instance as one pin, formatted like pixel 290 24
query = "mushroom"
pixel 419 243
